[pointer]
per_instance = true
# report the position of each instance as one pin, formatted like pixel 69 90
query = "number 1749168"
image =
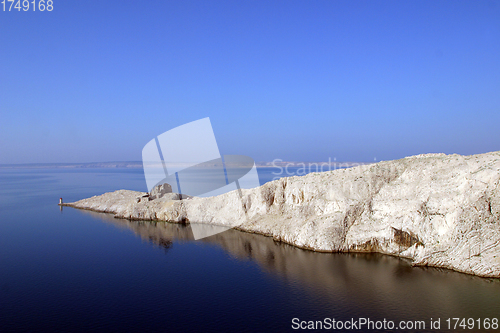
pixel 26 5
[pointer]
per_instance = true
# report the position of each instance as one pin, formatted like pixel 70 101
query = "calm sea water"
pixel 77 271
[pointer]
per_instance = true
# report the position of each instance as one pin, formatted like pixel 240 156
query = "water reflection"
pixel 370 284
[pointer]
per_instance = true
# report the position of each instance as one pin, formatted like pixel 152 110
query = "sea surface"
pixel 68 270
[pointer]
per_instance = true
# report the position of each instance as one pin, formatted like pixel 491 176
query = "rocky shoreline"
pixel 435 209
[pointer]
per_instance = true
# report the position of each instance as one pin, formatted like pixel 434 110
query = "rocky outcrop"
pixel 438 210
pixel 160 190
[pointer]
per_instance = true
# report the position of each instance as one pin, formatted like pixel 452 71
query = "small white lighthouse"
pixel 60 201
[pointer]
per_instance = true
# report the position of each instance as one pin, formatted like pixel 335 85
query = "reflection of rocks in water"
pixel 387 283
pixel 158 233
pixel 161 242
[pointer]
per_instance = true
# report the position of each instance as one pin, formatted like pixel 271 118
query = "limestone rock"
pixel 436 209
pixel 160 190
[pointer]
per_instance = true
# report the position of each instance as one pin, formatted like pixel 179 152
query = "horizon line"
pixel 139 164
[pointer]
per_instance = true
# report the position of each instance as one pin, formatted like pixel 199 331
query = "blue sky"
pixel 297 80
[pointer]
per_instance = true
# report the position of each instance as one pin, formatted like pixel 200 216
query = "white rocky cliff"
pixel 438 210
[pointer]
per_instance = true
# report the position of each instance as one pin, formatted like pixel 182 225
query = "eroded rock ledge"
pixel 438 210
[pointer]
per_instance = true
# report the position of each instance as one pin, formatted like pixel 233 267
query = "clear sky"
pixel 94 81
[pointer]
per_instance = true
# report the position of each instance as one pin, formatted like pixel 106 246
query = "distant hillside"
pixel 134 164
pixel 138 164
